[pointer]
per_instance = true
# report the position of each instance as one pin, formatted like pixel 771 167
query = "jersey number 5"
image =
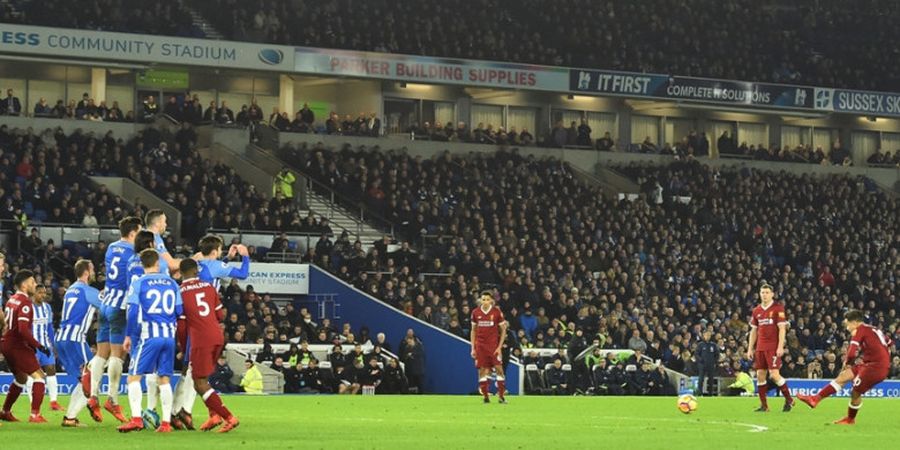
pixel 203 306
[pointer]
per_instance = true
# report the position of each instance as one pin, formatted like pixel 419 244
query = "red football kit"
pixel 487 336
pixel 766 321
pixel 876 357
pixel 18 344
pixel 202 314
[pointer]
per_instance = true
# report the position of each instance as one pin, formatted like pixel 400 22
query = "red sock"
pixel 761 390
pixel 786 392
pixel 483 387
pixel 501 388
pixel 851 411
pixel 826 391
pixel 214 403
pixel 14 391
pixel 37 396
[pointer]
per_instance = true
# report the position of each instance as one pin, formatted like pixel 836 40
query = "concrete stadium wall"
pixel 449 368
pixel 132 192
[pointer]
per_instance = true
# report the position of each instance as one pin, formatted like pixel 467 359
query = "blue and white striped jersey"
pixel 160 247
pixel 80 304
pixel 213 270
pixel 42 325
pixel 135 269
pixel 117 256
pixel 154 304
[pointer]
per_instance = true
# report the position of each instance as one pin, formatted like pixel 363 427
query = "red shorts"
pixel 766 360
pixel 20 359
pixel 487 360
pixel 203 360
pixel 866 377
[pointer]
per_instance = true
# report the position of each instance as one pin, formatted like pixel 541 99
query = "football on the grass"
pixel 687 403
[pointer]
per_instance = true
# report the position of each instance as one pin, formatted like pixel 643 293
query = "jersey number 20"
pixel 166 298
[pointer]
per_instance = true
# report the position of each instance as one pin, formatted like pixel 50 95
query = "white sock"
pixel 28 386
pixel 96 365
pixel 166 398
pixel 152 391
pixel 53 388
pixel 76 403
pixel 190 397
pixel 178 402
pixel 134 398
pixel 185 396
pixel 780 382
pixel 114 373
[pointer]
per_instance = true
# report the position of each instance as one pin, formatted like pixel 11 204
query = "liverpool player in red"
pixel 768 328
pixel 202 314
pixel 488 331
pixel 18 346
pixel 876 364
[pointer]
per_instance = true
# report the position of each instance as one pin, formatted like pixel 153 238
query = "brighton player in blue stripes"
pixel 111 331
pixel 80 303
pixel 154 304
pixel 42 329
pixel 145 239
pixel 212 269
pixel 155 221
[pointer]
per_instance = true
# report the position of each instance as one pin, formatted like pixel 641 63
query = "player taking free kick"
pixel 874 368
pixel 488 331
pixel 768 328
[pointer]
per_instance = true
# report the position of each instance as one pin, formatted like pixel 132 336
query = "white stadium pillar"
pixel 286 95
pixel 98 84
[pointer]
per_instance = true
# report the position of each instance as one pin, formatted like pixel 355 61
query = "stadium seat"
pixel 534 382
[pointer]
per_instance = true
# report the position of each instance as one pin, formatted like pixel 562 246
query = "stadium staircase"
pixel 203 25
pixel 259 167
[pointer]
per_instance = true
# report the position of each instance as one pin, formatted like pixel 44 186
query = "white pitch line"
pixel 753 428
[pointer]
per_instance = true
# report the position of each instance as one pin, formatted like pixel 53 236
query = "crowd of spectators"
pixel 460 132
pixel 884 159
pixel 807 42
pixel 163 17
pixel 50 182
pixel 305 122
pixel 84 109
pixel 648 275
pixel 570 266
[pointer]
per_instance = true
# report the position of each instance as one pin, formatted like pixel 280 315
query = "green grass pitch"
pixel 438 422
